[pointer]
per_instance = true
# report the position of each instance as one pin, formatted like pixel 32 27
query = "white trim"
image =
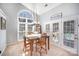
pixel 4 45
pixel 3 51
pixel 69 49
pixel 63 19
pixel 30 12
pixel 2 14
pixel 23 22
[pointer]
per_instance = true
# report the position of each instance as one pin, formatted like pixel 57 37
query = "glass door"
pixel 55 34
pixel 69 29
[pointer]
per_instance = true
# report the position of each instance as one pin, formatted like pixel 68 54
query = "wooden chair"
pixel 42 45
pixel 28 46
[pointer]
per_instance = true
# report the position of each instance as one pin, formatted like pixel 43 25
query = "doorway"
pixel 70 33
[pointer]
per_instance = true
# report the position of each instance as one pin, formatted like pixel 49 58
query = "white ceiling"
pixel 40 8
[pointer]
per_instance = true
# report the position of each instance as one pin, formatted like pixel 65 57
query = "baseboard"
pixel 20 40
pixel 66 48
pixel 74 51
pixel 2 51
pixel 9 44
pixel 12 43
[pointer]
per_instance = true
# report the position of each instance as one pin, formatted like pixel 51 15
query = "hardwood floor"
pixel 17 50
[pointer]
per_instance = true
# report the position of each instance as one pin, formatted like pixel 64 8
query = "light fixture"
pixel 36 21
pixel 46 5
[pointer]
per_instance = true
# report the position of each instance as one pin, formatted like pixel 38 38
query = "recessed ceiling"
pixel 40 8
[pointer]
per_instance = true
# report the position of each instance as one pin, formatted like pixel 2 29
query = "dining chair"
pixel 41 45
pixel 28 46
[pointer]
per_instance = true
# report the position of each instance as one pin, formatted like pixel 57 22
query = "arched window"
pixel 24 20
pixel 25 13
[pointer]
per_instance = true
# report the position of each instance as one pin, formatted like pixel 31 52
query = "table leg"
pixel 48 44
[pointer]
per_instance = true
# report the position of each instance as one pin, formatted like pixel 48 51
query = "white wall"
pixel 66 9
pixel 11 10
pixel 2 35
pixel 70 9
pixel 2 40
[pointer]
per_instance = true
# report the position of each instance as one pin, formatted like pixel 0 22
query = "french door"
pixel 69 29
pixel 55 34
pixel 70 35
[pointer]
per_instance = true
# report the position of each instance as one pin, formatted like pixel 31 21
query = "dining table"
pixel 36 37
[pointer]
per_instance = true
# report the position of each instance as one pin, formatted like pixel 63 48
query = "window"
pixel 69 27
pixel 21 35
pixel 29 20
pixel 47 27
pixel 55 27
pixel 69 33
pixel 25 13
pixel 21 27
pixel 30 28
pixel 22 20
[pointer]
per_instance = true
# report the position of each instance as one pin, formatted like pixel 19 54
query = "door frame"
pixel 64 19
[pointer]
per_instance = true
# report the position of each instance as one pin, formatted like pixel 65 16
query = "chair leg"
pixel 31 53
pixel 36 47
pixel 40 52
pixel 24 49
pixel 46 49
pixel 31 48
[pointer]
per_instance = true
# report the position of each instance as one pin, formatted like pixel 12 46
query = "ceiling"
pixel 40 8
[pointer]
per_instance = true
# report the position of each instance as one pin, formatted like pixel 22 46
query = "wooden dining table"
pixel 36 37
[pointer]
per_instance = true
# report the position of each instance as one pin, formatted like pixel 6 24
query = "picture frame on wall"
pixel 2 23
